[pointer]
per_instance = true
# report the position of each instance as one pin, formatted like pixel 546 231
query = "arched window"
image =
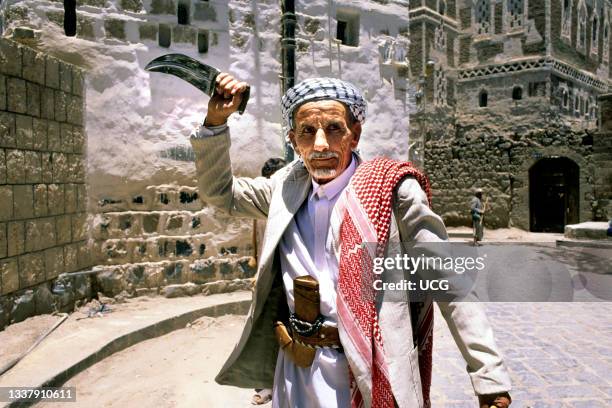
pixel 482 16
pixel 517 93
pixel 582 26
pixel 576 104
pixel 483 99
pixel 442 7
pixel 606 41
pixel 566 18
pixel 595 33
pixel 565 99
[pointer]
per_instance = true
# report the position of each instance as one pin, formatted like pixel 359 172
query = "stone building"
pixel 125 202
pixel 507 100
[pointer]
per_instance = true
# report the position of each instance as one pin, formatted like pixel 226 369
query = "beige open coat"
pixel 252 362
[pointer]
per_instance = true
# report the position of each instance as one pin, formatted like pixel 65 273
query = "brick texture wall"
pixel 42 168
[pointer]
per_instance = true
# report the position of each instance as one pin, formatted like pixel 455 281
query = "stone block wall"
pixel 602 157
pixel 43 230
pixel 488 151
pixel 166 236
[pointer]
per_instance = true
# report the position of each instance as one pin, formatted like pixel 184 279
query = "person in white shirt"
pixel 305 204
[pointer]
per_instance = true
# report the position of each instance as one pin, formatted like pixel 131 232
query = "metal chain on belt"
pixel 303 328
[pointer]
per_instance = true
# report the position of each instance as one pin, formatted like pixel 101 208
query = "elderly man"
pixel 314 332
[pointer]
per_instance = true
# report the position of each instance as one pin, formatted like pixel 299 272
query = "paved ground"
pixel 559 355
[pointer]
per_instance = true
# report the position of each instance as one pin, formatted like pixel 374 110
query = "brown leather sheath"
pixel 306 297
pixel 307 306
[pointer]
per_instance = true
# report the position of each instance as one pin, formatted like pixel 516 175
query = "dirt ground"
pixel 175 370
pixel 17 338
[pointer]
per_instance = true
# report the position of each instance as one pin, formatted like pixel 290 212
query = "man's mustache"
pixel 323 155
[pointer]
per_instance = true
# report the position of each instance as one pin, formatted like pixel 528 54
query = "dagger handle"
pixel 245 99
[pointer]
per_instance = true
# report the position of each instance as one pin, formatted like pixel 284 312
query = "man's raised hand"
pixel 226 99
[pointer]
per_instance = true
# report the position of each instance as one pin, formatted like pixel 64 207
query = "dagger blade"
pixel 200 75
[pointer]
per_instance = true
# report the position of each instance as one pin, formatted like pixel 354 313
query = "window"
pixel 582 23
pixel 515 14
pixel 440 38
pixel 70 18
pixel 483 99
pixel 595 34
pixel 566 17
pixel 203 42
pixel 165 36
pixel 347 29
pixel 517 93
pixel 442 7
pixel 606 41
pixel 183 12
pixel 440 87
pixel 482 14
pixel 565 98
pixel 576 103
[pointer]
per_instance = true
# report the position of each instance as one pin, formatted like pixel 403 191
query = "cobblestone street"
pixel 559 355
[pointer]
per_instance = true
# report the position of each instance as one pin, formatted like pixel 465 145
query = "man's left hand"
pixel 494 400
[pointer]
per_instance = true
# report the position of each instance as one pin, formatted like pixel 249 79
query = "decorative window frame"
pixel 440 38
pixel 595 25
pixel 440 87
pixel 605 53
pixel 508 17
pixel 484 28
pixel 581 21
pixel 564 97
pixel 576 103
pixel 566 19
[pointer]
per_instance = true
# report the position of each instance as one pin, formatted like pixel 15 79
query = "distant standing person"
pixel 477 210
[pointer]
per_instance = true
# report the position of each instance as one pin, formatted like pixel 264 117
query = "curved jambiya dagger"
pixel 200 75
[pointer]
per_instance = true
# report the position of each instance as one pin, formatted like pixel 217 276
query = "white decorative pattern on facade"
pixel 482 17
pixel 539 63
pixel 515 14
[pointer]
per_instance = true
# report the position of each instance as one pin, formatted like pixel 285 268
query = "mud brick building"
pixel 507 100
pixel 109 183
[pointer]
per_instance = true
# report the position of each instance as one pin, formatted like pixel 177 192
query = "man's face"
pixel 324 138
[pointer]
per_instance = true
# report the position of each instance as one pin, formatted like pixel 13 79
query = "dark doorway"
pixel 553 194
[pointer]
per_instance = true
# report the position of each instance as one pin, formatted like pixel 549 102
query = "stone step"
pixel 113 279
pixel 166 247
pixel 587 230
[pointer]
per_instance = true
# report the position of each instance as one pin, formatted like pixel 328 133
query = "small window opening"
pixel 517 93
pixel 70 18
pixel 183 12
pixel 442 7
pixel 203 42
pixel 165 36
pixel 347 31
pixel 483 100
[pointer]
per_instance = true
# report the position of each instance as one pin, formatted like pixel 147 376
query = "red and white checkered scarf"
pixel 365 211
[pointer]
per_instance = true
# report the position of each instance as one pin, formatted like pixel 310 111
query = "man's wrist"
pixel 211 121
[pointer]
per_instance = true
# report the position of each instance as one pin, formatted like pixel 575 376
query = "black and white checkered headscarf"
pixel 323 88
